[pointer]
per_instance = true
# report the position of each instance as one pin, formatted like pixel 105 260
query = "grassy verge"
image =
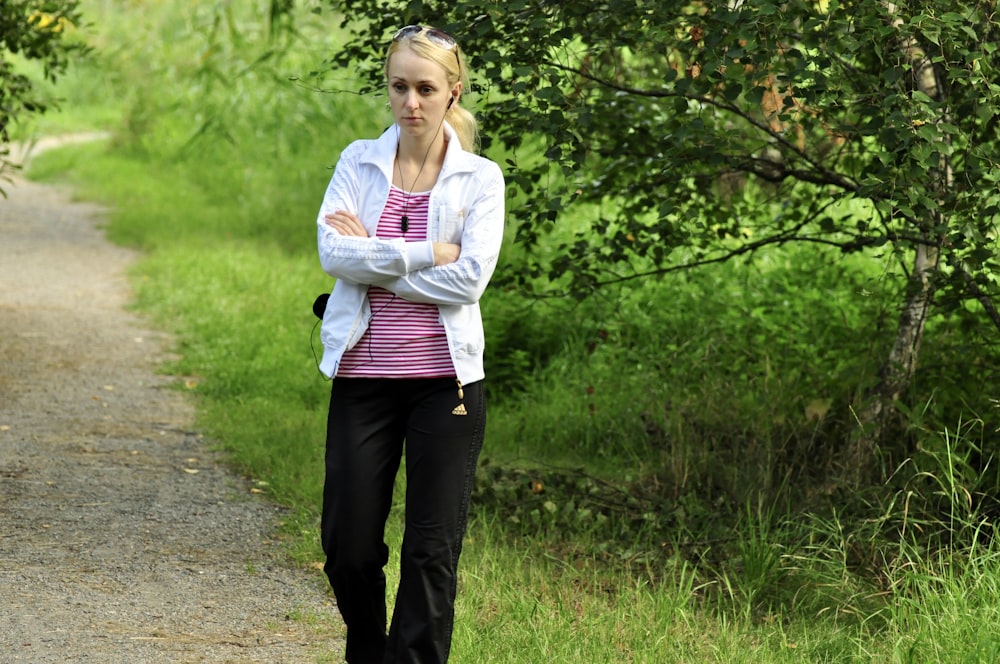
pixel 633 439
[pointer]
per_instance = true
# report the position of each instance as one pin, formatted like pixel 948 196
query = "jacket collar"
pixel 383 153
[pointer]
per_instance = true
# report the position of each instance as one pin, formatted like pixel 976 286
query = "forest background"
pixel 741 342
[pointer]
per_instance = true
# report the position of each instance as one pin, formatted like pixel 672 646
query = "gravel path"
pixel 122 536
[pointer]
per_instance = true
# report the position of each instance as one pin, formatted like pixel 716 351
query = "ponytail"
pixel 466 127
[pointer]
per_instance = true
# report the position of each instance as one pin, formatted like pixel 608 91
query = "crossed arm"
pixel 347 223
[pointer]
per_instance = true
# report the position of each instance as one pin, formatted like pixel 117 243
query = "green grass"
pixel 647 491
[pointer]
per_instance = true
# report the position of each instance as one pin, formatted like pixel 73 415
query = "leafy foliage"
pixel 650 137
pixel 33 30
pixel 718 128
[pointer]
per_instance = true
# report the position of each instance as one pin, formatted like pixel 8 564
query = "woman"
pixel 410 227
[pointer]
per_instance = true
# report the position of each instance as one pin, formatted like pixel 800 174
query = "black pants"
pixel 368 421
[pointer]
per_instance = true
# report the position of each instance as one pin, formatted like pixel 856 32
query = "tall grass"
pixel 644 447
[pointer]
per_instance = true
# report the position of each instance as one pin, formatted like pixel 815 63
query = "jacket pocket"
pixel 449 223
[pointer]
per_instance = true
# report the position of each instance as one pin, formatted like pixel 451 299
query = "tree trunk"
pixel 879 412
pixel 876 417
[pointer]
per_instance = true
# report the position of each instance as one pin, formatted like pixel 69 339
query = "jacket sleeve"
pixel 362 260
pixel 465 280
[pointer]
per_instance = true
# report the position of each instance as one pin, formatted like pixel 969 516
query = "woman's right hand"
pixel 446 252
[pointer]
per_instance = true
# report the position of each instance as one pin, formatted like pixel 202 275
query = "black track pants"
pixel 368 421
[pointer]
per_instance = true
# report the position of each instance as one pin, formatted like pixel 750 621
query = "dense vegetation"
pixel 685 133
pixel 663 455
pixel 31 31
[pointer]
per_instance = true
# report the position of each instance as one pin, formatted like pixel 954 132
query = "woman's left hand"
pixel 346 223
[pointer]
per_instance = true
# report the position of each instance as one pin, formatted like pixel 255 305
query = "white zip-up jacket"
pixel 466 208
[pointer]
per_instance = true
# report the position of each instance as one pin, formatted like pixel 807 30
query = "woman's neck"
pixel 418 164
pixel 412 151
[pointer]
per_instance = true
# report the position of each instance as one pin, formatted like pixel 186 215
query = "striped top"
pixel 404 339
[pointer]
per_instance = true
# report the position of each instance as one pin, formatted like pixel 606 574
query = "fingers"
pixel 445 252
pixel 346 223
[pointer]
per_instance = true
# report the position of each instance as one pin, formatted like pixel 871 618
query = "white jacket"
pixel 466 207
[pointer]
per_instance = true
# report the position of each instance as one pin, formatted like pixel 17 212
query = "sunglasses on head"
pixel 438 37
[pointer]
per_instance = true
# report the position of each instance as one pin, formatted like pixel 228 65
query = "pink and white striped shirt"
pixel 404 339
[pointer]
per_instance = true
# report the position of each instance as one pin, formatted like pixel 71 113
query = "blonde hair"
pixel 453 62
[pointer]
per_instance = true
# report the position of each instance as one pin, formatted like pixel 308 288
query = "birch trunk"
pixel 879 412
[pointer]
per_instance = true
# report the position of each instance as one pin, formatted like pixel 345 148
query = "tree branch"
pixel 778 239
pixel 828 176
pixel 978 294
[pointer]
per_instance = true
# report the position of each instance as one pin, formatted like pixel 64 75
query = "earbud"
pixel 450 102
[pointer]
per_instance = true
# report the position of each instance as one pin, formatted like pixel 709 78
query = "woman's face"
pixel 418 91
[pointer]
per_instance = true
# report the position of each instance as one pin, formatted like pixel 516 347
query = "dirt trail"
pixel 122 537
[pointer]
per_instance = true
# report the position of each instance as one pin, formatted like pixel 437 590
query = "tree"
pixel 715 129
pixel 32 30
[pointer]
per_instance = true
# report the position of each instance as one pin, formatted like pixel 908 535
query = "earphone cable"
pixel 312 347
